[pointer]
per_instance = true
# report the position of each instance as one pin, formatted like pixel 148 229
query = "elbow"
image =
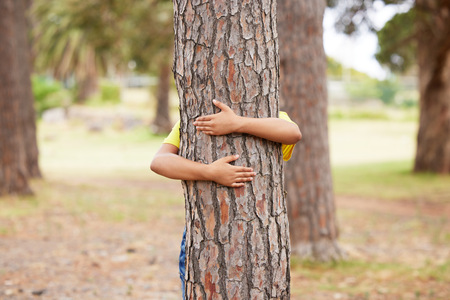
pixel 298 136
pixel 155 166
pixel 295 137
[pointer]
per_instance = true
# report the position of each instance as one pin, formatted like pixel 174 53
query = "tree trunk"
pixel 433 139
pixel 162 122
pixel 312 219
pixel 87 79
pixel 237 241
pixel 27 112
pixel 13 175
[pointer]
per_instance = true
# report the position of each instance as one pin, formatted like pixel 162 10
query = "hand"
pixel 222 123
pixel 223 173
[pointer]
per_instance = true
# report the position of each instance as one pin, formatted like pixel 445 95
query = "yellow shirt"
pixel 174 137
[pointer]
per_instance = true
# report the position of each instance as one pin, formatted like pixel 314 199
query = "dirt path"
pixel 67 258
pixel 60 255
pixel 406 208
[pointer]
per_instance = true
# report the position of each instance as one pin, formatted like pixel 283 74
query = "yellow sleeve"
pixel 287 149
pixel 174 136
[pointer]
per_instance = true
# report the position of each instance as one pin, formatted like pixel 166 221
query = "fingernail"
pixel 214 101
pixel 237 155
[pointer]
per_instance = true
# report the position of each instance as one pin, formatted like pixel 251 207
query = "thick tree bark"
pixel 162 122
pixel 27 112
pixel 13 174
pixel 433 139
pixel 312 219
pixel 237 241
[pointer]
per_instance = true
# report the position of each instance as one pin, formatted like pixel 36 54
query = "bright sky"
pixel 358 51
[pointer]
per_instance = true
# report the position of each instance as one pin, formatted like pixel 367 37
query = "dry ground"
pixel 56 251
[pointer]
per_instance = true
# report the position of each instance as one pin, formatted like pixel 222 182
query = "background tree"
pixel 24 65
pixel 86 39
pixel 425 31
pixel 79 38
pixel 237 240
pixel 151 47
pixel 312 219
pixel 13 171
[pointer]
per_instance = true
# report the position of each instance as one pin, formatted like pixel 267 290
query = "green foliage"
pixel 371 88
pixel 49 93
pixel 354 15
pixel 337 71
pixel 334 68
pixel 110 92
pixel 149 34
pixel 85 38
pixel 387 89
pixel 362 90
pixel 397 45
pixel 407 98
pixel 75 37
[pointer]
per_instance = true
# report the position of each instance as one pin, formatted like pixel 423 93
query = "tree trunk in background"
pixel 237 241
pixel 312 219
pixel 162 122
pixel 88 81
pixel 27 112
pixel 433 139
pixel 13 174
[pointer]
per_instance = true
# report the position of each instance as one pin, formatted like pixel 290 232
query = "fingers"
pixel 199 123
pixel 230 158
pixel 221 105
pixel 237 185
pixel 203 118
pixel 246 174
pixel 209 132
pixel 244 179
pixel 244 169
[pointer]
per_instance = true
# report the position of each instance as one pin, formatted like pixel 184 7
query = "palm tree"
pixel 77 38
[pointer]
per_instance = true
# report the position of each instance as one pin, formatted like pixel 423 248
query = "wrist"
pixel 240 124
pixel 208 172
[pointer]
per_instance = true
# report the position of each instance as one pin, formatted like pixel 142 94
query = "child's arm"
pixel 226 121
pixel 168 163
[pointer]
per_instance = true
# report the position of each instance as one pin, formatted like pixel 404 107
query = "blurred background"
pixel 89 85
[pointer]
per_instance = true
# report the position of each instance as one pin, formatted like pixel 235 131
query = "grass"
pixel 109 203
pixel 373 113
pixel 109 153
pixel 370 159
pixel 390 180
pixel 374 158
pixel 358 142
pixel 366 279
pixel 376 165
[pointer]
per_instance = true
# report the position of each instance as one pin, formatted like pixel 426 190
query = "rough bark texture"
pixel 27 112
pixel 162 123
pixel 237 239
pixel 433 140
pixel 13 175
pixel 312 220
